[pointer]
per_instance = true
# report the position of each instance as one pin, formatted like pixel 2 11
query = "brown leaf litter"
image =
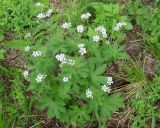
pixel 13 59
pixel 135 48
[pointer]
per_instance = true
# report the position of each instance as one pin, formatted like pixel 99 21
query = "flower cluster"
pixel 96 38
pixel 107 42
pixel 40 77
pixel 102 30
pixel 80 28
pixel 82 49
pixel 63 60
pixel 27 48
pixel 86 15
pixel 27 35
pixel 66 78
pixel 25 74
pixel 109 80
pixel 119 25
pixel 43 15
pixel 66 25
pixel 39 4
pixel 106 88
pixel 49 12
pixel 89 93
pixel 36 53
pixel 71 62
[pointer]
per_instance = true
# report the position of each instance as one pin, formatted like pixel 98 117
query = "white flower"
pixel 71 62
pixel 39 4
pixel 119 25
pixel 25 74
pixel 65 79
pixel 80 28
pixel 107 42
pixel 66 25
pixel 61 58
pixel 109 80
pixel 40 77
pixel 41 15
pixel 96 38
pixel 86 15
pixel 89 93
pixel 49 12
pixel 44 15
pixel 36 53
pixel 81 45
pixel 27 48
pixel 104 35
pixel 82 49
pixel 106 88
pixel 102 30
pixel 27 35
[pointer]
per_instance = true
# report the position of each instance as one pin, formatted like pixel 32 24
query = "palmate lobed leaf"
pixel 115 100
pixel 106 104
pixel 55 107
pixel 79 115
pixel 98 80
pixel 115 52
pixel 97 76
pixel 100 69
pixel 64 91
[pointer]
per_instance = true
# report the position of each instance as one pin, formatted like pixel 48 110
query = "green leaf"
pixel 90 32
pixel 128 26
pixel 108 8
pixel 40 27
pixel 79 115
pixel 46 2
pixel 1 56
pixel 1 37
pixel 116 9
pixel 96 5
pixel 101 69
pixel 55 107
pixel 63 91
pixel 2 51
pixel 153 120
pixel 98 80
pixel 1 116
pixel 97 75
pixel 18 44
pixel 115 52
pixel 111 104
